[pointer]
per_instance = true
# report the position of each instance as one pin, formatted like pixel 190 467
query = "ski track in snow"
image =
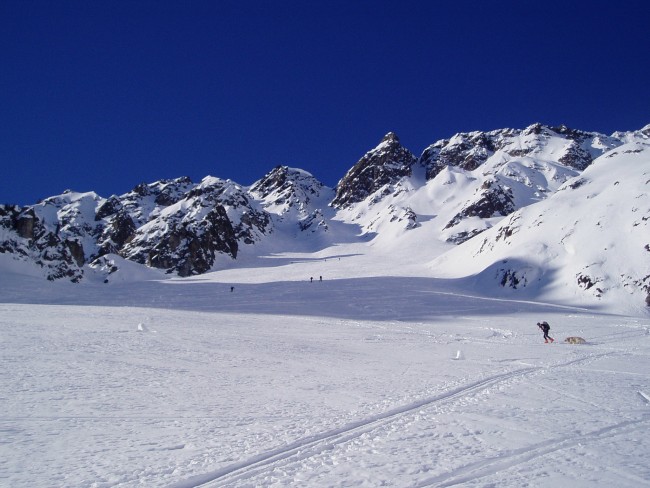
pixel 319 443
pixel 508 460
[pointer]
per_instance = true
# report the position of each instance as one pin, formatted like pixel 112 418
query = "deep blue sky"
pixel 103 95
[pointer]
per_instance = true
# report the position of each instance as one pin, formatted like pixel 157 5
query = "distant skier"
pixel 232 288
pixel 545 328
pixel 321 278
pixel 311 279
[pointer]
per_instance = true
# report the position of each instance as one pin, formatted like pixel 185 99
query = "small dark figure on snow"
pixel 232 288
pixel 545 328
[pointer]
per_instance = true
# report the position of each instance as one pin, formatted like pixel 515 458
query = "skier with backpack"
pixel 545 328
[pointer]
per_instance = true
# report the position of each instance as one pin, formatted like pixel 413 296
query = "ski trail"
pixel 645 396
pixel 509 459
pixel 508 300
pixel 313 445
pixel 322 441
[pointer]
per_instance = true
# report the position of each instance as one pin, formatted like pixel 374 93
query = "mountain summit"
pixel 376 170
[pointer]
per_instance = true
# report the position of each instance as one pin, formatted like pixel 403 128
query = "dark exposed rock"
pixel 470 150
pixel 313 222
pixel 290 185
pixel 117 232
pixel 406 215
pixel 187 247
pixel 576 156
pixel 463 236
pixel 105 266
pixel 577 183
pixel 109 207
pixel 142 189
pixel 384 165
pixel 25 224
pixel 466 151
pixel 509 278
pixel 250 221
pixel 32 241
pixel 76 251
pixel 587 282
pixel 493 200
pixel 172 191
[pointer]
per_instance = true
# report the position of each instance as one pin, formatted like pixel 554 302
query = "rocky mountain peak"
pixel 280 179
pixel 391 137
pixel 467 151
pixel 379 168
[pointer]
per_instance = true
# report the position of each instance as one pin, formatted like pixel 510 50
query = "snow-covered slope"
pixel 363 380
pixel 589 240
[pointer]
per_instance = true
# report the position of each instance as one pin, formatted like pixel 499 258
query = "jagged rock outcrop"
pixel 466 151
pixel 26 237
pixel 404 215
pixel 491 200
pixel 376 170
pixel 294 195
pixel 573 148
pixel 146 201
pixel 111 206
pixel 284 186
pixel 119 230
pixel 249 223
pixel 184 246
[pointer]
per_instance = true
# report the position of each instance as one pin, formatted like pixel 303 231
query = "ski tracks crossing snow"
pixel 506 460
pixel 315 445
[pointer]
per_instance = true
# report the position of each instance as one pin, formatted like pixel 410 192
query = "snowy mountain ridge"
pixel 581 234
pixel 453 204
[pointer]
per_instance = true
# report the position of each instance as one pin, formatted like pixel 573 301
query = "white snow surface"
pixel 378 375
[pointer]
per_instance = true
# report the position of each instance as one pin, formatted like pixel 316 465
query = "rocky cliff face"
pixel 294 195
pixel 181 245
pixel 573 148
pixel 375 172
pixel 26 237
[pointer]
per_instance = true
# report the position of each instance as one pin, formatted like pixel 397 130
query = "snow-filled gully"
pixel 316 444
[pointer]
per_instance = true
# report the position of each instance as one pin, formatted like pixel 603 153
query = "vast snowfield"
pixel 379 375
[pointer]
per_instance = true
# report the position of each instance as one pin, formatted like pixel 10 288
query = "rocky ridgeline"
pixel 182 227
